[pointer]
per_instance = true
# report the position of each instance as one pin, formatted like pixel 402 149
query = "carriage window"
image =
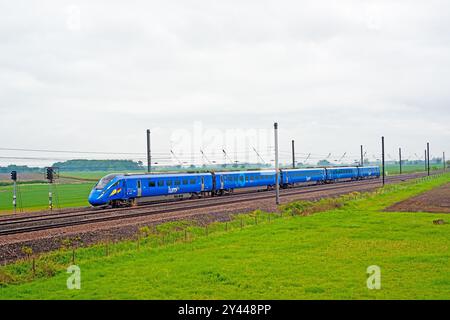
pixel 152 184
pixel 169 182
pixel 185 182
pixel 161 183
pixel 193 181
pixel 236 179
pixel 177 182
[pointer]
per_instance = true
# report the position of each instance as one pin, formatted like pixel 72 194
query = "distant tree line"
pixel 81 165
pixel 14 167
pixel 99 165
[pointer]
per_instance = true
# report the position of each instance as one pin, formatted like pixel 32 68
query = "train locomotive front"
pixel 110 188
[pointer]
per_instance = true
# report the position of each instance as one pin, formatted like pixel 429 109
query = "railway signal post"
pixel 400 159
pixel 49 176
pixel 14 179
pixel 277 177
pixel 382 159
pixel 428 158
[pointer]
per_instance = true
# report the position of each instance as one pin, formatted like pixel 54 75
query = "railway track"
pixel 18 225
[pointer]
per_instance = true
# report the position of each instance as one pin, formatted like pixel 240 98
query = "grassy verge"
pixel 315 250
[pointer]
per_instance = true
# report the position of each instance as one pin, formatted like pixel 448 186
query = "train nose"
pixel 95 198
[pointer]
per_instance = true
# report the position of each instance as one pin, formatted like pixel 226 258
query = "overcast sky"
pixel 94 75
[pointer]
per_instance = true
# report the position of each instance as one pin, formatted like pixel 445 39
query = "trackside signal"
pixel 49 174
pixel 14 175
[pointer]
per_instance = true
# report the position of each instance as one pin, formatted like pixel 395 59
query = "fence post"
pixel 34 266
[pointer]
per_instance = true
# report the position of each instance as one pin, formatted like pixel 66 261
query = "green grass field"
pixel 319 256
pixel 35 196
pixel 395 169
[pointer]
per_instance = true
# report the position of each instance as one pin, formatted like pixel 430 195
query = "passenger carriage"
pixel 227 182
pixel 292 177
pixel 368 172
pixel 341 173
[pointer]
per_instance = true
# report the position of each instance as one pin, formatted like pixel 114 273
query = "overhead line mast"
pixel 149 153
pixel 277 176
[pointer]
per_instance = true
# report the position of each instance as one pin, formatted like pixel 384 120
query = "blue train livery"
pixel 291 177
pixel 368 172
pixel 334 174
pixel 228 181
pixel 129 189
pixel 120 189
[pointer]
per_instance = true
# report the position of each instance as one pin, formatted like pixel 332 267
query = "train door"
pixel 203 184
pixel 124 187
pixel 139 188
pixel 221 183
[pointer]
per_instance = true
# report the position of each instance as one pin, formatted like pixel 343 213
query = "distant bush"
pixel 14 167
pixel 99 165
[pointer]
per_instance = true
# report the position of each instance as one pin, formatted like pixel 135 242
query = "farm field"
pixel 304 255
pixel 395 169
pixel 34 197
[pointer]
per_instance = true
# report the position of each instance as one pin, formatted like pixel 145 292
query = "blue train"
pixel 129 189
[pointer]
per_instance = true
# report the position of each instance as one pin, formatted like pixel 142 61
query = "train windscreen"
pixel 104 181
